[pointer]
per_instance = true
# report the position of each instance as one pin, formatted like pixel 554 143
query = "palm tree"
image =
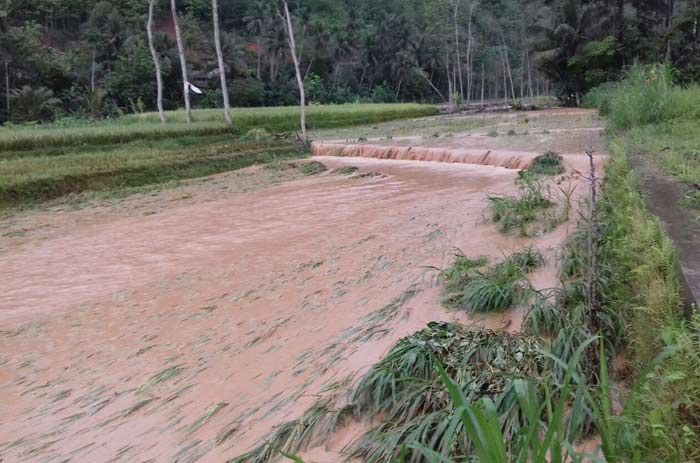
pixel 565 39
pixel 183 62
pixel 33 104
pixel 156 60
pixel 220 59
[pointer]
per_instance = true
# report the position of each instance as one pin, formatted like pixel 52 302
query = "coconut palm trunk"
pixel 220 59
pixel 183 62
pixel 287 20
pixel 156 60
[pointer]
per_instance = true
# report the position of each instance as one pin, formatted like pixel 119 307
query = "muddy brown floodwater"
pixel 188 333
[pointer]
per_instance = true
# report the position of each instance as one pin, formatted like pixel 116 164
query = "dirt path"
pixel 188 332
pixel 664 195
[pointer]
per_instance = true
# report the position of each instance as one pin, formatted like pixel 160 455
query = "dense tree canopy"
pixel 93 56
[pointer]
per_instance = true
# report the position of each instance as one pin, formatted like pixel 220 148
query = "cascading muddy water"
pixel 508 159
pixel 500 158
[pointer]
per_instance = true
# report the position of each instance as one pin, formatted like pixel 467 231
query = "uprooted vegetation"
pixel 311 168
pixel 405 389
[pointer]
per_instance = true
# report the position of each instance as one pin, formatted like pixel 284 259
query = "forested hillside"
pixel 91 58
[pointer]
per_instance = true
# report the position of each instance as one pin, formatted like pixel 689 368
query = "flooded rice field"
pixel 184 325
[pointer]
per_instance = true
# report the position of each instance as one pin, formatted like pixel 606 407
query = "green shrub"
pixel 549 163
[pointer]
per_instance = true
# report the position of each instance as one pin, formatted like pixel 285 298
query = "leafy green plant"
pixel 33 104
pixel 493 289
pixel 535 440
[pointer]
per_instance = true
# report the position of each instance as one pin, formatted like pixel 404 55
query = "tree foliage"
pixel 349 50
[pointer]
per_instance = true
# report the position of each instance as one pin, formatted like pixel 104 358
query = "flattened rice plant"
pixel 406 390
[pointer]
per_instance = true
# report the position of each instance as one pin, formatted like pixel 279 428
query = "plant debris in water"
pixel 406 391
pixel 311 168
pixel 346 170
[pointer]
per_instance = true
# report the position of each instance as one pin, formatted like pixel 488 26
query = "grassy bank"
pixel 28 180
pixel 651 116
pixel 39 163
pixel 205 122
pixel 655 117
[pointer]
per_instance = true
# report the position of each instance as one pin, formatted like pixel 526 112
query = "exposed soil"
pixel 185 325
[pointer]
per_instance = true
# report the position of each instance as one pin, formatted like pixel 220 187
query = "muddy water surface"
pixel 188 334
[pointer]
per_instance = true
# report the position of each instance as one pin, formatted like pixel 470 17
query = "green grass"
pixel 494 289
pixel 658 117
pixel 549 163
pixel 518 212
pixel 405 388
pixel 651 115
pixel 30 179
pixel 44 162
pixel 205 122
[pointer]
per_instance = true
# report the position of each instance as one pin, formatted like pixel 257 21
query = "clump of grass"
pixel 549 163
pixel 493 133
pixel 692 200
pixel 527 260
pixel 345 170
pixel 311 168
pixel 461 271
pixel 512 132
pixel 370 174
pixel 257 135
pixel 494 289
pixel 518 212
